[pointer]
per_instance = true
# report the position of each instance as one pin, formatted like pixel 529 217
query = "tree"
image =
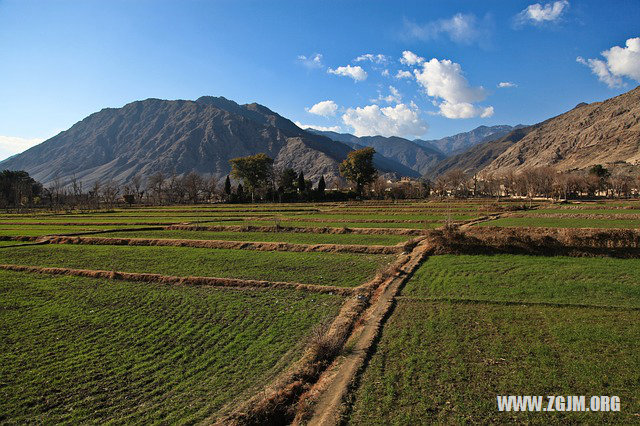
pixel 193 184
pixel 321 186
pixel 227 187
pixel 240 192
pixel 210 188
pixel 156 185
pixel 301 183
pixel 287 180
pixel 17 188
pixel 358 168
pixel 255 171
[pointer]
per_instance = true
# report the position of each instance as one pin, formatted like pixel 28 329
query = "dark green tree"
pixel 287 180
pixel 358 168
pixel 301 183
pixel 227 186
pixel 321 185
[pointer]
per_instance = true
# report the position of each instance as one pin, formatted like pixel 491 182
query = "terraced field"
pixel 468 328
pixel 126 352
pixel 233 313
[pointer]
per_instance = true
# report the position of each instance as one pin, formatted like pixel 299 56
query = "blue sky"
pixel 63 60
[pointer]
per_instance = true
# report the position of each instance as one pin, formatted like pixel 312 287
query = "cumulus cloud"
pixel 539 14
pixel 460 28
pixel 410 58
pixel 403 74
pixel 394 96
pixel 10 145
pixel 385 73
pixel 506 84
pixel 376 59
pixel 336 129
pixel 356 73
pixel 371 120
pixel 619 62
pixel 311 62
pixel 443 79
pixel 326 108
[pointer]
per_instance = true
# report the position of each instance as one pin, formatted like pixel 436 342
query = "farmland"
pixel 256 312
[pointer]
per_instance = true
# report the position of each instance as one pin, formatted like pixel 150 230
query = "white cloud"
pixel 400 120
pixel 464 110
pixel 539 14
pixel 313 61
pixel 336 129
pixel 385 73
pixel 326 108
pixel 376 59
pixel 443 79
pixel 506 84
pixel 410 58
pixel 403 74
pixel 356 73
pixel 10 145
pixel 619 62
pixel 460 28
pixel 394 96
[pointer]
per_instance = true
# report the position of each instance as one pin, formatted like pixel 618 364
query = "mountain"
pixel 456 144
pixel 180 136
pixel 418 158
pixel 599 133
pixel 479 156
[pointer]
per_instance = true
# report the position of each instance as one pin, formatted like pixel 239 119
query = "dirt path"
pixel 324 402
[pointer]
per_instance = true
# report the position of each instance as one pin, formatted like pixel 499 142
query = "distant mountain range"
pixel 456 144
pixel 606 133
pixel 153 135
pixel 418 158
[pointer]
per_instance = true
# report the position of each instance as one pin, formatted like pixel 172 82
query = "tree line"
pixel 542 181
pixel 255 179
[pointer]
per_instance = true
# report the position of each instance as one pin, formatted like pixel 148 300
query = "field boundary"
pixel 225 244
pixel 278 403
pixel 177 280
pixel 323 404
pixel 301 229
pixel 622 243
pixel 512 303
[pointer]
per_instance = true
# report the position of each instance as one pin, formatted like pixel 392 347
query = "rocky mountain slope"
pixel 180 136
pixel 599 133
pixel 419 158
pixel 456 144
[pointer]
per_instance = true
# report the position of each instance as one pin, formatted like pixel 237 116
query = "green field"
pixel 445 363
pixel 551 222
pixel 39 230
pixel 340 269
pixel 92 351
pixel 520 278
pixel 287 237
pixel 327 224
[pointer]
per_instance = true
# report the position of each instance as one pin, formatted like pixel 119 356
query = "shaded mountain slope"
pixel 153 135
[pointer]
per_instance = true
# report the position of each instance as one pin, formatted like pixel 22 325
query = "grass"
pixel 593 281
pixel 445 363
pixel 340 269
pixel 562 222
pixel 39 230
pixel 327 224
pixel 90 351
pixel 288 237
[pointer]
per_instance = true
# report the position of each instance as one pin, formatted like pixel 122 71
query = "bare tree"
pixel 156 187
pixel 110 192
pixel 193 184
